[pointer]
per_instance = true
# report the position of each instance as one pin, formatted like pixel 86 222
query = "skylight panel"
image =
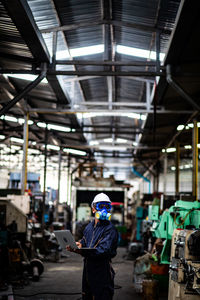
pixel 80 51
pixel 138 52
pixel 29 77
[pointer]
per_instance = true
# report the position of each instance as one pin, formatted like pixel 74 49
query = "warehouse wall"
pixel 4 175
pixel 185 183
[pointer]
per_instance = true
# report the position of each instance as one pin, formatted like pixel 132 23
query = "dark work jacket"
pixel 98 273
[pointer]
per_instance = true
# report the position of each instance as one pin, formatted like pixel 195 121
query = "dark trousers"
pixel 98 280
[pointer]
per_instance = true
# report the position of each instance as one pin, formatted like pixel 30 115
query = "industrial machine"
pixel 183 215
pixel 184 281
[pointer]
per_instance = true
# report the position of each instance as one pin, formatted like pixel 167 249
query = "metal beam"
pixel 108 22
pixel 25 91
pixel 84 72
pixel 106 63
pixel 179 89
pixel 80 78
pixel 97 147
pixel 106 73
pixel 71 79
pixel 115 112
pixel 22 17
pixel 134 104
pixel 195 161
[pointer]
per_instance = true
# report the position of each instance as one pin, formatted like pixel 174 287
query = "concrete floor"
pixel 65 277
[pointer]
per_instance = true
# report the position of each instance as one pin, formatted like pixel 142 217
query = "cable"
pixel 116 287
pixel 44 293
pixel 183 221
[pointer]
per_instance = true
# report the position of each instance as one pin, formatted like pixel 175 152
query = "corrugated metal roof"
pixel 133 23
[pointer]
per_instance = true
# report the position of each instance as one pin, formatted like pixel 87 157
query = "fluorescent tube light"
pixel 180 127
pixel 74 151
pixel 58 127
pixel 53 147
pixel 41 124
pixel 93 143
pixel 169 150
pixel 110 114
pixel 17 140
pixel 112 148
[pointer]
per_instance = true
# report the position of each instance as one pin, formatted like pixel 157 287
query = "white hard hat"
pixel 100 198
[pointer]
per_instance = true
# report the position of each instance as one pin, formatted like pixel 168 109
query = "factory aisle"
pixel 65 277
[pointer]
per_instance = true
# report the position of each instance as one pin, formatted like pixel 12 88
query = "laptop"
pixel 64 238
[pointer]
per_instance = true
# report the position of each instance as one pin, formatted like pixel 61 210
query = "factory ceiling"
pixel 87 75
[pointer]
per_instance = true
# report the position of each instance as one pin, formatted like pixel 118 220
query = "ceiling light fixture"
pixel 53 147
pixel 17 140
pixel 112 148
pixel 54 127
pixel 110 114
pixel 74 151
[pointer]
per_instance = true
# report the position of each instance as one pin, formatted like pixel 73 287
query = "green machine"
pixel 183 215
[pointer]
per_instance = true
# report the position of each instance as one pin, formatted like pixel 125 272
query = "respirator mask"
pixel 103 211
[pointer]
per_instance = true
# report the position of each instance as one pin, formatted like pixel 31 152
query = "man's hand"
pixel 69 248
pixel 79 245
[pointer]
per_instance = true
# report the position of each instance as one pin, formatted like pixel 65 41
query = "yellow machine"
pixel 184 278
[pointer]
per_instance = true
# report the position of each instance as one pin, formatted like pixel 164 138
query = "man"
pixel 100 234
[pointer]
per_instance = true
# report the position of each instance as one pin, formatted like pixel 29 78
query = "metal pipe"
pixel 143 177
pixel 25 154
pixel 25 91
pixel 195 161
pixel 179 89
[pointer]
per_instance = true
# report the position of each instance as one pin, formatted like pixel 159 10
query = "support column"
pixel 25 154
pixel 195 161
pixel 45 171
pixel 68 181
pixel 177 163
pixel 59 176
pixel 157 51
pixel 165 175
pixel 148 96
